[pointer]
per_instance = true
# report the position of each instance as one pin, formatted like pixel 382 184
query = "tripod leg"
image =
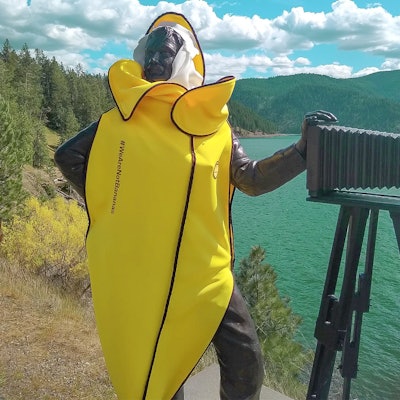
pixel 335 316
pixel 325 354
pixel 396 223
pixel 361 300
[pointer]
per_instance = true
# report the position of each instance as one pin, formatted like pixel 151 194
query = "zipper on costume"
pixel 178 246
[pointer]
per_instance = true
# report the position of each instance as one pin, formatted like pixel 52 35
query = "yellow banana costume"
pixel 158 196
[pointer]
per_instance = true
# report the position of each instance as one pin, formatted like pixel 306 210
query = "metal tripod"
pixel 338 326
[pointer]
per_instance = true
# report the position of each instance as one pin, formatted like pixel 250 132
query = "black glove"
pixel 320 117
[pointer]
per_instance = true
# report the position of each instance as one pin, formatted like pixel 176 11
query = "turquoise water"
pixel 297 236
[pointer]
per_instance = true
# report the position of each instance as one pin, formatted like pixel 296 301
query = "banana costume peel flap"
pixel 193 106
pixel 159 247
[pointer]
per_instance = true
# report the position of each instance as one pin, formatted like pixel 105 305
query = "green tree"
pixel 40 153
pixel 245 118
pixel 56 97
pixel 89 94
pixel 8 64
pixel 4 78
pixel 27 83
pixel 12 159
pixel 286 361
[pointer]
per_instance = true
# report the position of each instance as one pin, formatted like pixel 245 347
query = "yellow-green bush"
pixel 48 238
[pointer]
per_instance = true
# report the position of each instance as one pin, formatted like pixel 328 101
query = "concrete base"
pixel 205 386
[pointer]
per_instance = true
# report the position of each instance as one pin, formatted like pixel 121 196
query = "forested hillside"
pixel 37 96
pixel 43 90
pixel 244 120
pixel 369 102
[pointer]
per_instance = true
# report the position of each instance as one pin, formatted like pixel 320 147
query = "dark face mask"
pixel 162 47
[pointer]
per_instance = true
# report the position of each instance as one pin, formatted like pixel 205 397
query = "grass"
pixel 52 138
pixel 49 347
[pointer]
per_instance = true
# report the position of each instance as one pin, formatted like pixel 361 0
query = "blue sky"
pixel 251 38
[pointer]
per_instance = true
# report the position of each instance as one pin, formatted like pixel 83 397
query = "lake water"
pixel 297 236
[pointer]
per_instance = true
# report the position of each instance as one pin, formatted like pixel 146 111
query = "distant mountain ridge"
pixel 368 102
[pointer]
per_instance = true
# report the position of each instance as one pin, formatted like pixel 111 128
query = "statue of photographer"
pixel 158 173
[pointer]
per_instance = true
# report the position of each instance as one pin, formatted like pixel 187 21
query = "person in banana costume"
pixel 158 173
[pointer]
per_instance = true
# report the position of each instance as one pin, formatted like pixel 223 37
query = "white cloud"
pixel 70 60
pixel 366 71
pixel 72 38
pixel 217 66
pixel 372 29
pixel 235 33
pixel 391 64
pixel 333 70
pixel 281 65
pixel 302 61
pixel 70 30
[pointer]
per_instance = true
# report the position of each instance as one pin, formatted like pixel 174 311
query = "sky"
pixel 250 38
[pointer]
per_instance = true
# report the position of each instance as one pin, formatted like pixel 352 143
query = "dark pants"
pixel 239 354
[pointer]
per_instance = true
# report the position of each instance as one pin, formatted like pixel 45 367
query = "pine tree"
pixel 285 359
pixel 90 96
pixel 27 83
pixel 40 156
pixel 8 64
pixel 12 158
pixel 56 96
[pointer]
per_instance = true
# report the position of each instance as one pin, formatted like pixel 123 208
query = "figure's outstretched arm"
pixel 255 177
